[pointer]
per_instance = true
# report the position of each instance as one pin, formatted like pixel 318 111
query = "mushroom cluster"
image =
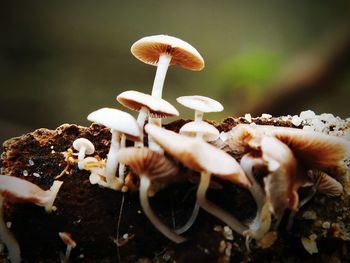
pixel 274 163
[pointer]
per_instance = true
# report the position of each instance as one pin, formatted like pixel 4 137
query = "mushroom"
pixel 147 105
pixel 325 183
pixel 69 242
pixel 119 122
pixel 202 157
pixel 84 146
pixel 19 190
pixel 163 51
pixel 150 167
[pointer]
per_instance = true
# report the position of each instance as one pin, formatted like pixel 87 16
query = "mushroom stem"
pixel 162 68
pixel 190 221
pixel 81 153
pixel 230 220
pixel 121 165
pixel 67 255
pixel 141 119
pixel 145 183
pixel 151 143
pixel 53 193
pixel 198 115
pixel 112 160
pixel 7 237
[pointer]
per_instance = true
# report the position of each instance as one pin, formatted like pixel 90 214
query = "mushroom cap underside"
pixel 157 107
pixel 208 131
pixel 198 155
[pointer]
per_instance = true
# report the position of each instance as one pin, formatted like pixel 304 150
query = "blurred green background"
pixel 60 60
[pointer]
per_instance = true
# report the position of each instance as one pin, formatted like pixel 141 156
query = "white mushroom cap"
pixel 82 143
pixel 198 155
pixel 148 50
pixel 209 132
pixel 200 103
pixel 117 120
pixel 157 107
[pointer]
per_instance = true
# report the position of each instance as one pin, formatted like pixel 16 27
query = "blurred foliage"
pixel 61 60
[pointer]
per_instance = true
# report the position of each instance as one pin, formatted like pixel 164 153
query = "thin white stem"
pixel 151 143
pixel 81 153
pixel 53 194
pixel 141 119
pixel 7 237
pixel 162 68
pixel 67 255
pixel 227 218
pixel 198 115
pixel 112 160
pixel 190 221
pixel 145 183
pixel 121 165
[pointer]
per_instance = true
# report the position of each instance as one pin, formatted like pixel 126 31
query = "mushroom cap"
pixel 313 149
pixel 22 191
pixel 209 132
pixel 67 239
pixel 82 142
pixel 157 107
pixel 200 103
pixel 143 161
pixel 327 185
pixel 148 50
pixel 198 155
pixel 116 120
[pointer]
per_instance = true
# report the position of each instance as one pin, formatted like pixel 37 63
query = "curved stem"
pixel 162 68
pixel 145 183
pixel 229 219
pixel 112 159
pixel 7 237
pixel 151 143
pixel 53 194
pixel 190 221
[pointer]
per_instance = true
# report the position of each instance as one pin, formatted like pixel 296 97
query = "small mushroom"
pixel 200 104
pixel 19 190
pixel 83 146
pixel 69 242
pixel 147 105
pixel 150 166
pixel 119 122
pixel 325 183
pixel 202 157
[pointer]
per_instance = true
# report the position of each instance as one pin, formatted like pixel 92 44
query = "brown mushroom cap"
pixel 200 103
pixel 148 50
pixel 67 239
pixel 157 107
pixel 20 191
pixel 326 184
pixel 146 162
pixel 198 155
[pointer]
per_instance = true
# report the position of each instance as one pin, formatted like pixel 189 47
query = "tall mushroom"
pixel 150 167
pixel 119 122
pixel 202 157
pixel 17 190
pixel 163 51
